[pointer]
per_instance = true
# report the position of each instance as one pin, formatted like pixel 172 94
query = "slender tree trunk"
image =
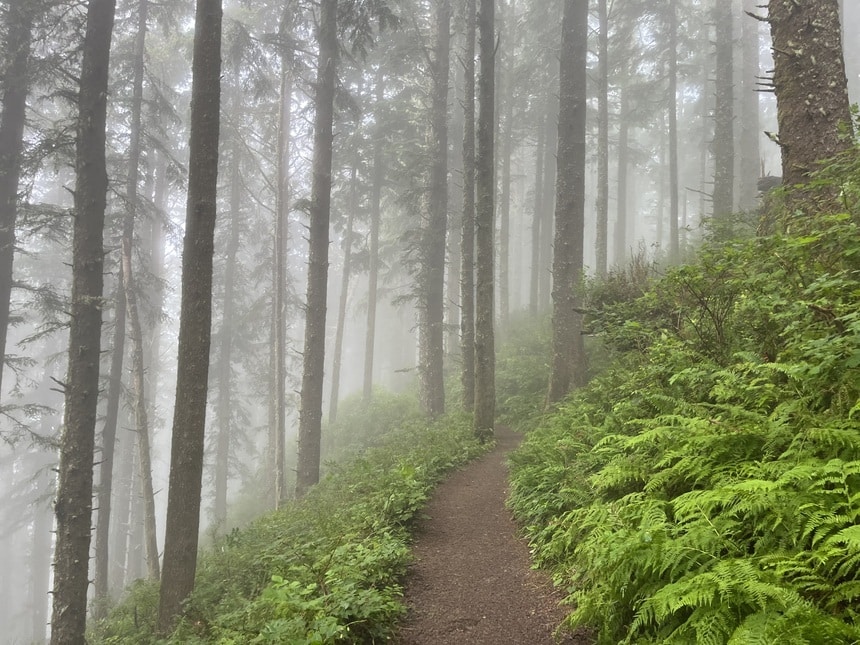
pixel 602 228
pixel 508 26
pixel 537 218
pixel 724 155
pixel 344 298
pixel 14 86
pixel 189 418
pixel 310 417
pixel 375 217
pixel 548 200
pixel 120 526
pixel 674 250
pixel 620 232
pixel 108 441
pixel 811 87
pixel 568 353
pixel 225 353
pixel 279 304
pixel 73 505
pixel 749 122
pixel 485 351
pixel 432 280
pixel 467 246
pixel 455 205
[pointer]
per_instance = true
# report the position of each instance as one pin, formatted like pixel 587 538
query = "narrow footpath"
pixel 471 582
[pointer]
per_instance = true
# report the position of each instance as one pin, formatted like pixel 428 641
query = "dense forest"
pixel 269 271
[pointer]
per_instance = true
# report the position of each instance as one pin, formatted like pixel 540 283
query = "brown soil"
pixel 471 582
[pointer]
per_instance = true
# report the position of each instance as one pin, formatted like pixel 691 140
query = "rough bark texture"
pixel 375 220
pixel 724 142
pixel 811 88
pixel 14 87
pixel 467 255
pixel 432 278
pixel 602 228
pixel 310 417
pixel 189 418
pixel 485 351
pixel 73 505
pixel 568 353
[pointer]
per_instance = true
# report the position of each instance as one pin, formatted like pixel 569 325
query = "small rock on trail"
pixel 472 582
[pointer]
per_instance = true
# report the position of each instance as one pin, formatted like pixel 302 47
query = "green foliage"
pixel 705 488
pixel 325 569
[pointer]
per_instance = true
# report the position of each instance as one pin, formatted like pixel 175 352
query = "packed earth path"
pixel 472 582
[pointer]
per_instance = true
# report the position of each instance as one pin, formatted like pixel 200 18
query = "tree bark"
pixel 620 232
pixel 375 220
pixel 674 246
pixel 310 417
pixel 344 299
pixel 568 353
pixel 15 86
pixel 507 95
pixel 548 201
pixel 189 418
pixel 467 246
pixel 602 228
pixel 724 155
pixel 73 506
pixel 811 87
pixel 432 279
pixel 537 217
pixel 485 356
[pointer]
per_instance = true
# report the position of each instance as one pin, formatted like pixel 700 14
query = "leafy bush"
pixel 706 487
pixel 325 569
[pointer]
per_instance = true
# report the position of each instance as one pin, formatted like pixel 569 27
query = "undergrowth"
pixel 705 488
pixel 325 569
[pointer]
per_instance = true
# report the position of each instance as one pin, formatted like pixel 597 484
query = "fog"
pixel 383 94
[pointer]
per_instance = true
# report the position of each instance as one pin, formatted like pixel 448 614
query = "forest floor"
pixel 472 582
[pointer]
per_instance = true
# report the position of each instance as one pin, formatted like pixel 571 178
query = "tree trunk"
pixel 432 279
pixel 537 218
pixel 674 250
pixel 750 153
pixel 189 418
pixel 620 231
pixel 485 356
pixel 602 228
pixel 507 138
pixel 724 156
pixel 548 201
pixel 225 353
pixel 568 353
pixel 73 506
pixel 279 304
pixel 467 246
pixel 375 218
pixel 811 87
pixel 120 526
pixel 344 298
pixel 15 85
pixel 310 417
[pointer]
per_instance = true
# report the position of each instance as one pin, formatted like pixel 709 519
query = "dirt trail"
pixel 471 582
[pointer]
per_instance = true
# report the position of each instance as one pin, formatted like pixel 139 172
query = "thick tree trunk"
pixel 344 299
pixel 432 279
pixel 602 228
pixel 189 418
pixel 568 353
pixel 674 248
pixel 15 85
pixel 811 87
pixel 310 417
pixel 485 351
pixel 724 155
pixel 467 246
pixel 73 506
pixel 375 220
